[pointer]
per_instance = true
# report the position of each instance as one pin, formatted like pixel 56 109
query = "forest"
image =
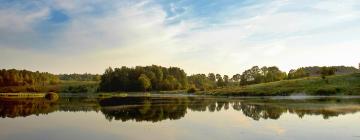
pixel 143 79
pixel 13 77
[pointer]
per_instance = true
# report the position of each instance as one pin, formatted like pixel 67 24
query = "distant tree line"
pixel 80 77
pixel 143 79
pixel 326 71
pixel 320 71
pixel 14 77
pixel 315 70
pixel 210 81
pixel 150 78
pixel 299 73
pixel 161 78
pixel 264 74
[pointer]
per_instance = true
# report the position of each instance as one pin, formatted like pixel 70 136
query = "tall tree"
pixel 226 80
pixel 219 80
pixel 256 75
pixel 212 77
pixel 327 71
pixel 144 81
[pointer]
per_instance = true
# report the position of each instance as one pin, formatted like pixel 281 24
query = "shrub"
pixel 191 90
pixel 326 91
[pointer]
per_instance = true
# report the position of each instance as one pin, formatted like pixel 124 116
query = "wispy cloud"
pixel 220 36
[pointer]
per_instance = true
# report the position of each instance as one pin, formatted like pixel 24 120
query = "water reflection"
pixel 273 108
pixel 156 109
pixel 11 108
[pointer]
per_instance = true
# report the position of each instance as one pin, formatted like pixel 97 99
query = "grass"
pixel 337 85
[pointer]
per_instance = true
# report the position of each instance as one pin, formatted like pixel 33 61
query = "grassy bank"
pixel 333 85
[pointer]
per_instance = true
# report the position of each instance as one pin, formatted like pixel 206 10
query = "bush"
pixel 191 90
pixel 326 91
pixel 77 89
pixel 52 96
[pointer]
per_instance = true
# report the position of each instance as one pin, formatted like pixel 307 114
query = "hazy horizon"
pixel 226 37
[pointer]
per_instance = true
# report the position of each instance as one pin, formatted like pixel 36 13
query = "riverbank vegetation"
pixel 15 81
pixel 254 81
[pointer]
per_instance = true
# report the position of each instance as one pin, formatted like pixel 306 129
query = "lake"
pixel 166 117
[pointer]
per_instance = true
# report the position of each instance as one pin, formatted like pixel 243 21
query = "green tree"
pixel 212 77
pixel 274 74
pixel 200 81
pixel 327 71
pixel 14 77
pixel 144 81
pixel 236 78
pixel 298 73
pixel 226 80
pixel 251 76
pixel 219 80
pixel 256 75
pixel 126 79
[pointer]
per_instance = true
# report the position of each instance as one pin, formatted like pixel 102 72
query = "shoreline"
pixel 22 95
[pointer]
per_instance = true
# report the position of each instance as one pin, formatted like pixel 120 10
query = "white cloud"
pixel 20 21
pixel 138 34
pixel 132 35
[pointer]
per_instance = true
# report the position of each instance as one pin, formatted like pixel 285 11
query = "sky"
pixel 202 36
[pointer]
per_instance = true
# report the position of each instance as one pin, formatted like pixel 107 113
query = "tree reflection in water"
pixel 156 109
pixel 11 108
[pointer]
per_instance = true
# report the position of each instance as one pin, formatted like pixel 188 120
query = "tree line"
pixel 143 79
pixel 80 77
pixel 155 78
pixel 250 76
pixel 160 78
pixel 211 81
pixel 316 71
pixel 13 77
pixel 256 75
pixel 264 74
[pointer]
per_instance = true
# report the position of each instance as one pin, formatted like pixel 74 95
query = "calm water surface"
pixel 181 117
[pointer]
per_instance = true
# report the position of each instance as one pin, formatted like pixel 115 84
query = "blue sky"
pixel 227 36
